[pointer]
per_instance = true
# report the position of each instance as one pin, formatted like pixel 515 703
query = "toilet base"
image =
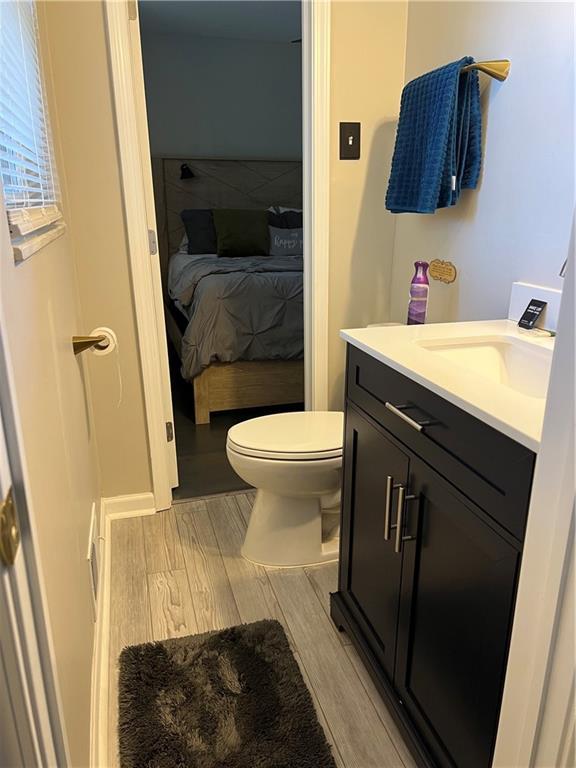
pixel 286 531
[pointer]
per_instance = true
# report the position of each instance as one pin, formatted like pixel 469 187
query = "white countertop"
pixel 511 412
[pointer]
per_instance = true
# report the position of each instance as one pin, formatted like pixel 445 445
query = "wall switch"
pixel 349 141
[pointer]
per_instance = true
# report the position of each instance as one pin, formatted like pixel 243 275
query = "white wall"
pixel 84 128
pixel 221 98
pixel 367 73
pixel 516 225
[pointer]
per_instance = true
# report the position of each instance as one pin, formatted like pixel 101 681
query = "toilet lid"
pixel 299 435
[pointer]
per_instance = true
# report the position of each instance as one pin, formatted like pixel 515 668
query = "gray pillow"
pixel 286 242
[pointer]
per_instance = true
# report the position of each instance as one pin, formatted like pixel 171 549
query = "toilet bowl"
pixel 294 461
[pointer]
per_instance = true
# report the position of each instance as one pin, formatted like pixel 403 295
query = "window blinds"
pixel 26 159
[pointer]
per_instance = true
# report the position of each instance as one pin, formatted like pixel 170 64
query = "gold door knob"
pixel 9 531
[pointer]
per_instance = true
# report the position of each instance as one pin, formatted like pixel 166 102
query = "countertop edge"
pixel 528 441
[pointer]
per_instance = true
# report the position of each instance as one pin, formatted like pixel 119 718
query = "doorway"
pixel 223 85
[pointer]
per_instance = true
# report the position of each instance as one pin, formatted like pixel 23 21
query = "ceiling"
pixel 269 20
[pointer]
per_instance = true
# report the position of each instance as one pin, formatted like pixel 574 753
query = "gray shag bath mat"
pixel 228 699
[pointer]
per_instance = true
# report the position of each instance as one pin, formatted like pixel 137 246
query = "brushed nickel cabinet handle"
pixel 387 505
pixel 402 499
pixel 397 410
pixel 390 488
pixel 399 520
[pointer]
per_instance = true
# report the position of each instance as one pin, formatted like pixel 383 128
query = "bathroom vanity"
pixel 441 433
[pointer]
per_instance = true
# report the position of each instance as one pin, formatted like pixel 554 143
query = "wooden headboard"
pixel 218 184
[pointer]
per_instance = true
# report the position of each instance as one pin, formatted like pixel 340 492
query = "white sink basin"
pixel 520 365
pixel 489 368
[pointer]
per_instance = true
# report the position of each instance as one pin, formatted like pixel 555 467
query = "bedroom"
pixel 223 94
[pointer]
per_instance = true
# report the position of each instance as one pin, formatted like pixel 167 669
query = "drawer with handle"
pixel 492 469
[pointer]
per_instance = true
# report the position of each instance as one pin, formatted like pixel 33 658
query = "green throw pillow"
pixel 241 233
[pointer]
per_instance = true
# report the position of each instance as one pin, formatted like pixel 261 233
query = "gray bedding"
pixel 245 308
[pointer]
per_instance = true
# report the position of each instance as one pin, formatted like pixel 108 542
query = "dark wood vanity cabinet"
pixel 429 566
pixel 374 569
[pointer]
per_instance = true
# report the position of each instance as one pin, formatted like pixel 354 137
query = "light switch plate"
pixel 349 141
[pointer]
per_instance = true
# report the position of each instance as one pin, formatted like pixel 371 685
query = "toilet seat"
pixel 294 436
pixel 283 456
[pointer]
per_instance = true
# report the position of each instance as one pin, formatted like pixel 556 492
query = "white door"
pixel 49 393
pixel 30 726
pixel 156 280
pixel 48 383
pixel 45 383
pixel 11 754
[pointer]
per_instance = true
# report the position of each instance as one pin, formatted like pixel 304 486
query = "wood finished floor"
pixel 180 572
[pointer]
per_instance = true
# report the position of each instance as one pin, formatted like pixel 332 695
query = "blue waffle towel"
pixel 438 148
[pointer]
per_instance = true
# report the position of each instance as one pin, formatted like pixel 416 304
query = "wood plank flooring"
pixel 180 572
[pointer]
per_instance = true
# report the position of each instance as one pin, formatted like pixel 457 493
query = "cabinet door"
pixel 373 466
pixel 458 588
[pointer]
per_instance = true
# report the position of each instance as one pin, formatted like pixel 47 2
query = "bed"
pixel 236 323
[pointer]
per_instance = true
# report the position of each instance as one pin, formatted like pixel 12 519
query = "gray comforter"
pixel 247 308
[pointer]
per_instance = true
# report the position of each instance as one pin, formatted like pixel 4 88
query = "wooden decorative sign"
pixel 441 270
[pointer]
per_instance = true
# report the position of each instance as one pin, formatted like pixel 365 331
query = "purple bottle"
pixel 418 294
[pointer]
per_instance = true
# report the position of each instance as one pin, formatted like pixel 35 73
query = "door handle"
pixel 9 530
pixel 81 343
pixel 402 499
pixel 390 488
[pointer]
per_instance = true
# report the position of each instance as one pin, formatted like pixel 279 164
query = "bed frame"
pixel 244 384
pixel 227 184
pixel 247 384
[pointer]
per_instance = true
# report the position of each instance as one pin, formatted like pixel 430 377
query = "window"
pixel 26 157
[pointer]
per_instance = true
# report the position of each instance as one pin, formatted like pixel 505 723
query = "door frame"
pixel 135 175
pixel 121 20
pixel 545 558
pixel 316 19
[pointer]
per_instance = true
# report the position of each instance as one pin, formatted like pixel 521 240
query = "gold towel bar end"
pixel 498 69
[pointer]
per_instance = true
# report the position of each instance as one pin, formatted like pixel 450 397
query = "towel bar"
pixel 499 69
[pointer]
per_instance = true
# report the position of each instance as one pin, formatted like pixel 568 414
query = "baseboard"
pixel 129 505
pixel 111 508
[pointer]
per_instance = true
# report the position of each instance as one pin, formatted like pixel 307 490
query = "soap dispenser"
pixel 418 294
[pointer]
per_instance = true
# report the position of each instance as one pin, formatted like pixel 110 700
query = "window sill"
pixel 25 247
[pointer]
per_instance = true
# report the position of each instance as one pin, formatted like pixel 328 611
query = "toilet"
pixel 294 460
